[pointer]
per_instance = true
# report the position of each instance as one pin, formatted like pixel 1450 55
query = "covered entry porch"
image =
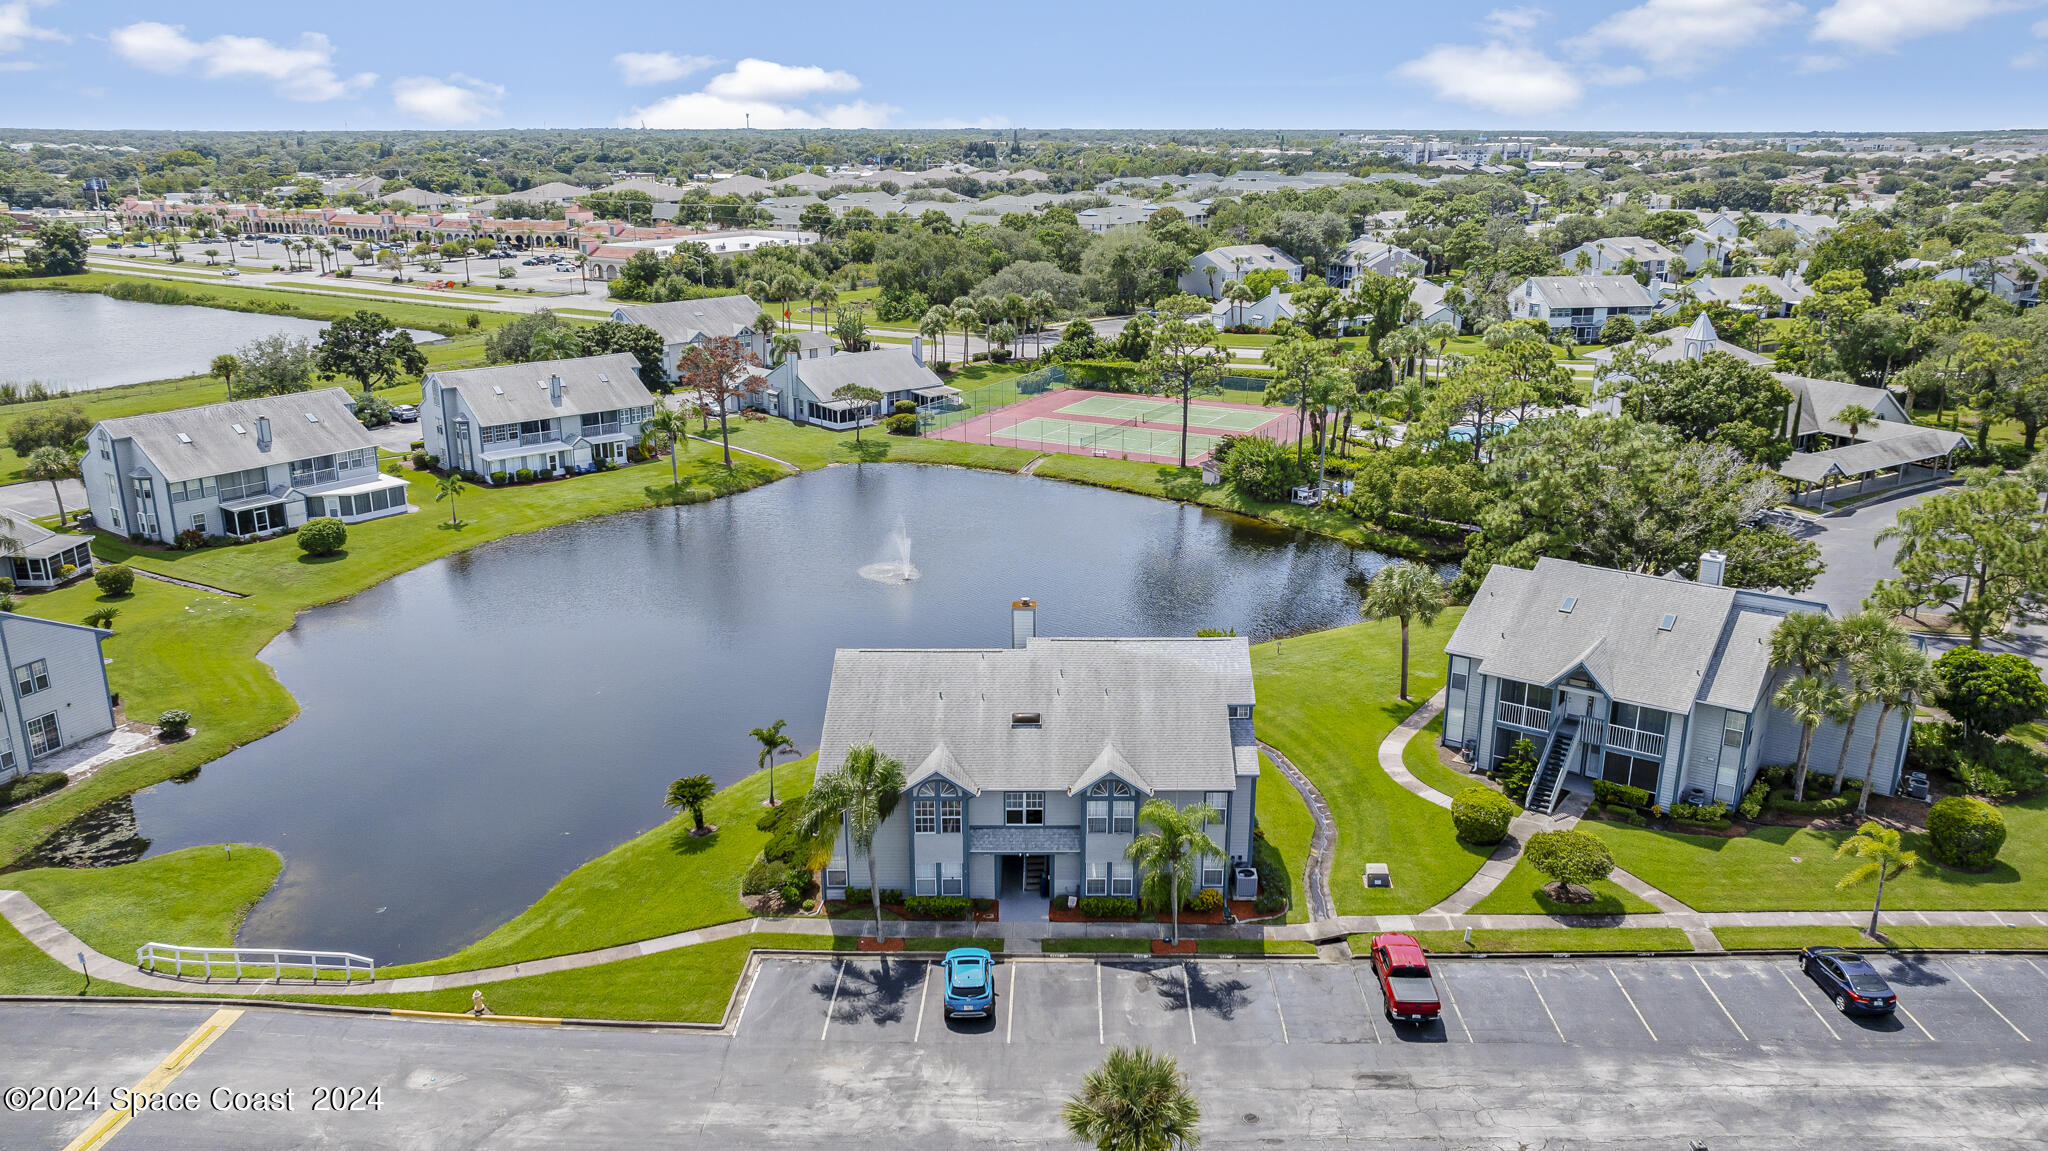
pixel 1025 865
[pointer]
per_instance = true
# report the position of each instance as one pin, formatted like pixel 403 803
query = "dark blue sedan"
pixel 1848 980
pixel 970 983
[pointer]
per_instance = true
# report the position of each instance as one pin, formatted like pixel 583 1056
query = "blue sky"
pixel 1648 65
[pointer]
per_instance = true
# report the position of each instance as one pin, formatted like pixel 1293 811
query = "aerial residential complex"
pixel 548 417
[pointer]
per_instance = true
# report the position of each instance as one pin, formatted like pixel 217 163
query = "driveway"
pixel 32 499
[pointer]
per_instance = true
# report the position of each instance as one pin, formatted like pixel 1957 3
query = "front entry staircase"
pixel 1548 786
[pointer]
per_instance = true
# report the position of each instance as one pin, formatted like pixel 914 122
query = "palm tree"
pixel 773 743
pixel 785 345
pixel 1403 590
pixel 1863 636
pixel 1137 1100
pixel 1167 855
pixel 862 792
pixel 447 488
pixel 1812 701
pixel 1899 675
pixel 1441 334
pixel 1039 307
pixel 1808 640
pixel 1879 848
pixel 965 317
pixel 933 324
pixel 1857 417
pixel 1409 401
pixel 1239 296
pixel 226 365
pixel 691 793
pixel 52 463
pixel 670 428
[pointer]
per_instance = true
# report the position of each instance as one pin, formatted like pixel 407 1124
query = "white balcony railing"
pixel 1534 718
pixel 1635 742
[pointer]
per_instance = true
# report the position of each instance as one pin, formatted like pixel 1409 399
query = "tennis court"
pixel 1116 439
pixel 1164 413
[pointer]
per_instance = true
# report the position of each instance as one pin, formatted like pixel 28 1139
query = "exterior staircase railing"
pixel 1549 782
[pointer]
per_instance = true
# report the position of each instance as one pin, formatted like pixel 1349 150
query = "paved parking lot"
pixel 1612 1004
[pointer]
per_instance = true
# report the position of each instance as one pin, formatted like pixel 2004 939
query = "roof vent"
pixel 183 438
pixel 1669 620
pixel 240 430
pixel 311 418
pixel 1570 602
pixel 603 379
pixel 1024 719
pixel 497 390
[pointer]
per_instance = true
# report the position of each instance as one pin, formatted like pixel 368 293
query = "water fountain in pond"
pixel 895 565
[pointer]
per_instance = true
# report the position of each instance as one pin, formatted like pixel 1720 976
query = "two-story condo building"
pixel 1656 682
pixel 1026 766
pixel 1617 255
pixel 60 695
pixel 800 389
pixel 548 417
pixel 1209 272
pixel 1366 254
pixel 681 323
pixel 244 468
pixel 1582 303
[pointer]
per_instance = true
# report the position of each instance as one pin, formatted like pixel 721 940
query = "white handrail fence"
pixel 149 956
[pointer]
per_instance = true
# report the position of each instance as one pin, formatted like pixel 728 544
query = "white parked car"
pixel 230 272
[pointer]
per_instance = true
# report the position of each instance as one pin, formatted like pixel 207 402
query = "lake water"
pixel 78 341
pixel 475 729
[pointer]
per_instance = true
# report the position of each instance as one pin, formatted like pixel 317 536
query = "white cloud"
pixel 658 67
pixel 1882 25
pixel 1683 36
pixel 752 79
pixel 1496 77
pixel 1502 21
pixel 17 27
pixel 459 99
pixel 304 71
pixel 764 94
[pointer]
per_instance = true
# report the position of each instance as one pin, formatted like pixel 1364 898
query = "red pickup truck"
pixel 1405 981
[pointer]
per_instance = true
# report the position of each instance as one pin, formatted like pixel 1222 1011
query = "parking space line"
pixel 1979 994
pixel 1187 986
pixel 746 997
pixel 1526 974
pixel 1443 982
pixel 1631 1005
pixel 923 989
pixel 1099 1038
pixel 1010 1012
pixel 834 1004
pixel 1718 1003
pixel 1274 982
pixel 1923 1026
pixel 2037 967
pixel 1809 1005
pixel 1367 1001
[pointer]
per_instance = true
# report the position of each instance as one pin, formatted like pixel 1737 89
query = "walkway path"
pixel 1322 845
pixel 749 451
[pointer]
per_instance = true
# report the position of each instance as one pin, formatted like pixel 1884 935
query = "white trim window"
pixel 1212 877
pixel 927 884
pixel 950 816
pixel 1125 884
pixel 1123 817
pixel 924 816
pixel 1023 808
pixel 1098 880
pixel 835 876
pixel 43 736
pixel 1098 817
pixel 951 882
pixel 32 677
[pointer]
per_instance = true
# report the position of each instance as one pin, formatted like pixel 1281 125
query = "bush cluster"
pixel 23 788
pixel 1261 468
pixel 893 896
pixel 1274 881
pixel 1204 901
pixel 939 906
pixel 1753 800
pixel 1979 765
pixel 1109 907
pixel 114 579
pixel 1481 815
pixel 1965 832
pixel 1713 815
pixel 1782 803
pixel 1621 795
pixel 323 536
pixel 173 724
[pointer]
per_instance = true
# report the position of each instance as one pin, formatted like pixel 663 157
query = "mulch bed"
pixel 1162 947
pixel 870 943
pixel 1062 915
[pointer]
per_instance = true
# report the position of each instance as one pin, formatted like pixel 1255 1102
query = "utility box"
pixel 1377 875
pixel 1246 885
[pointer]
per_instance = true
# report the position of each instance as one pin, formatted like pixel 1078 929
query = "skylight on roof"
pixel 311 418
pixel 240 430
pixel 1669 621
pixel 603 379
pixel 1569 602
pixel 497 390
pixel 183 438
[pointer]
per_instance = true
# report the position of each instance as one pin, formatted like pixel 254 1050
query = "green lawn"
pixel 25 970
pixel 1544 940
pixel 1167 481
pixel 808 447
pixel 1902 936
pixel 1788 869
pixel 1422 758
pixel 1327 700
pixel 657 883
pixel 1521 894
pixel 197 896
pixel 175 647
pixel 1289 827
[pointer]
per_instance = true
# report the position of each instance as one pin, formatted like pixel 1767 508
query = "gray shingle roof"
pixel 216 448
pixel 1515 630
pixel 1592 291
pixel 884 369
pixel 509 393
pixel 1163 704
pixel 682 321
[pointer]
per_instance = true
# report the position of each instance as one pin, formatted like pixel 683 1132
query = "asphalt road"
pixel 839 1053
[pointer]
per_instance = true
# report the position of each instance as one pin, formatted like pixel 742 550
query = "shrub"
pixel 323 536
pixel 1620 794
pixel 174 724
pixel 1204 901
pixel 114 579
pixel 1273 877
pixel 901 424
pixel 1481 815
pixel 939 906
pixel 890 895
pixel 1782 803
pixel 767 820
pixel 764 876
pixel 1965 832
pixel 1518 771
pixel 99 617
pixel 1109 907
pixel 1990 693
pixel 1262 468
pixel 523 475
pixel 1573 858
pixel 23 788
pixel 1752 804
pixel 421 461
pixel 191 539
pixel 2000 769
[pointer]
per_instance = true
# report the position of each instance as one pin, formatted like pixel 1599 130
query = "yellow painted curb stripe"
pixel 409 1013
pixel 173 1065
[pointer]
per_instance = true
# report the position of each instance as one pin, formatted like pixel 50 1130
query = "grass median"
pixel 1544 940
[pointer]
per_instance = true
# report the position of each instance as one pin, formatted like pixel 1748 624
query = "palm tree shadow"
pixel 877 993
pixel 683 843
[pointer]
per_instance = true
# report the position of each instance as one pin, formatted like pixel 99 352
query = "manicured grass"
pixel 1757 871
pixel 657 883
pixel 1544 940
pixel 811 447
pixel 176 647
pixel 1095 946
pixel 1521 893
pixel 197 896
pixel 1900 936
pixel 1422 757
pixel 1327 700
pixel 1167 481
pixel 1254 947
pixel 1789 938
pixel 1289 827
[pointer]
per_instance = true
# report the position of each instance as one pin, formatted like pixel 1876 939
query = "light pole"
pixel 1323 460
